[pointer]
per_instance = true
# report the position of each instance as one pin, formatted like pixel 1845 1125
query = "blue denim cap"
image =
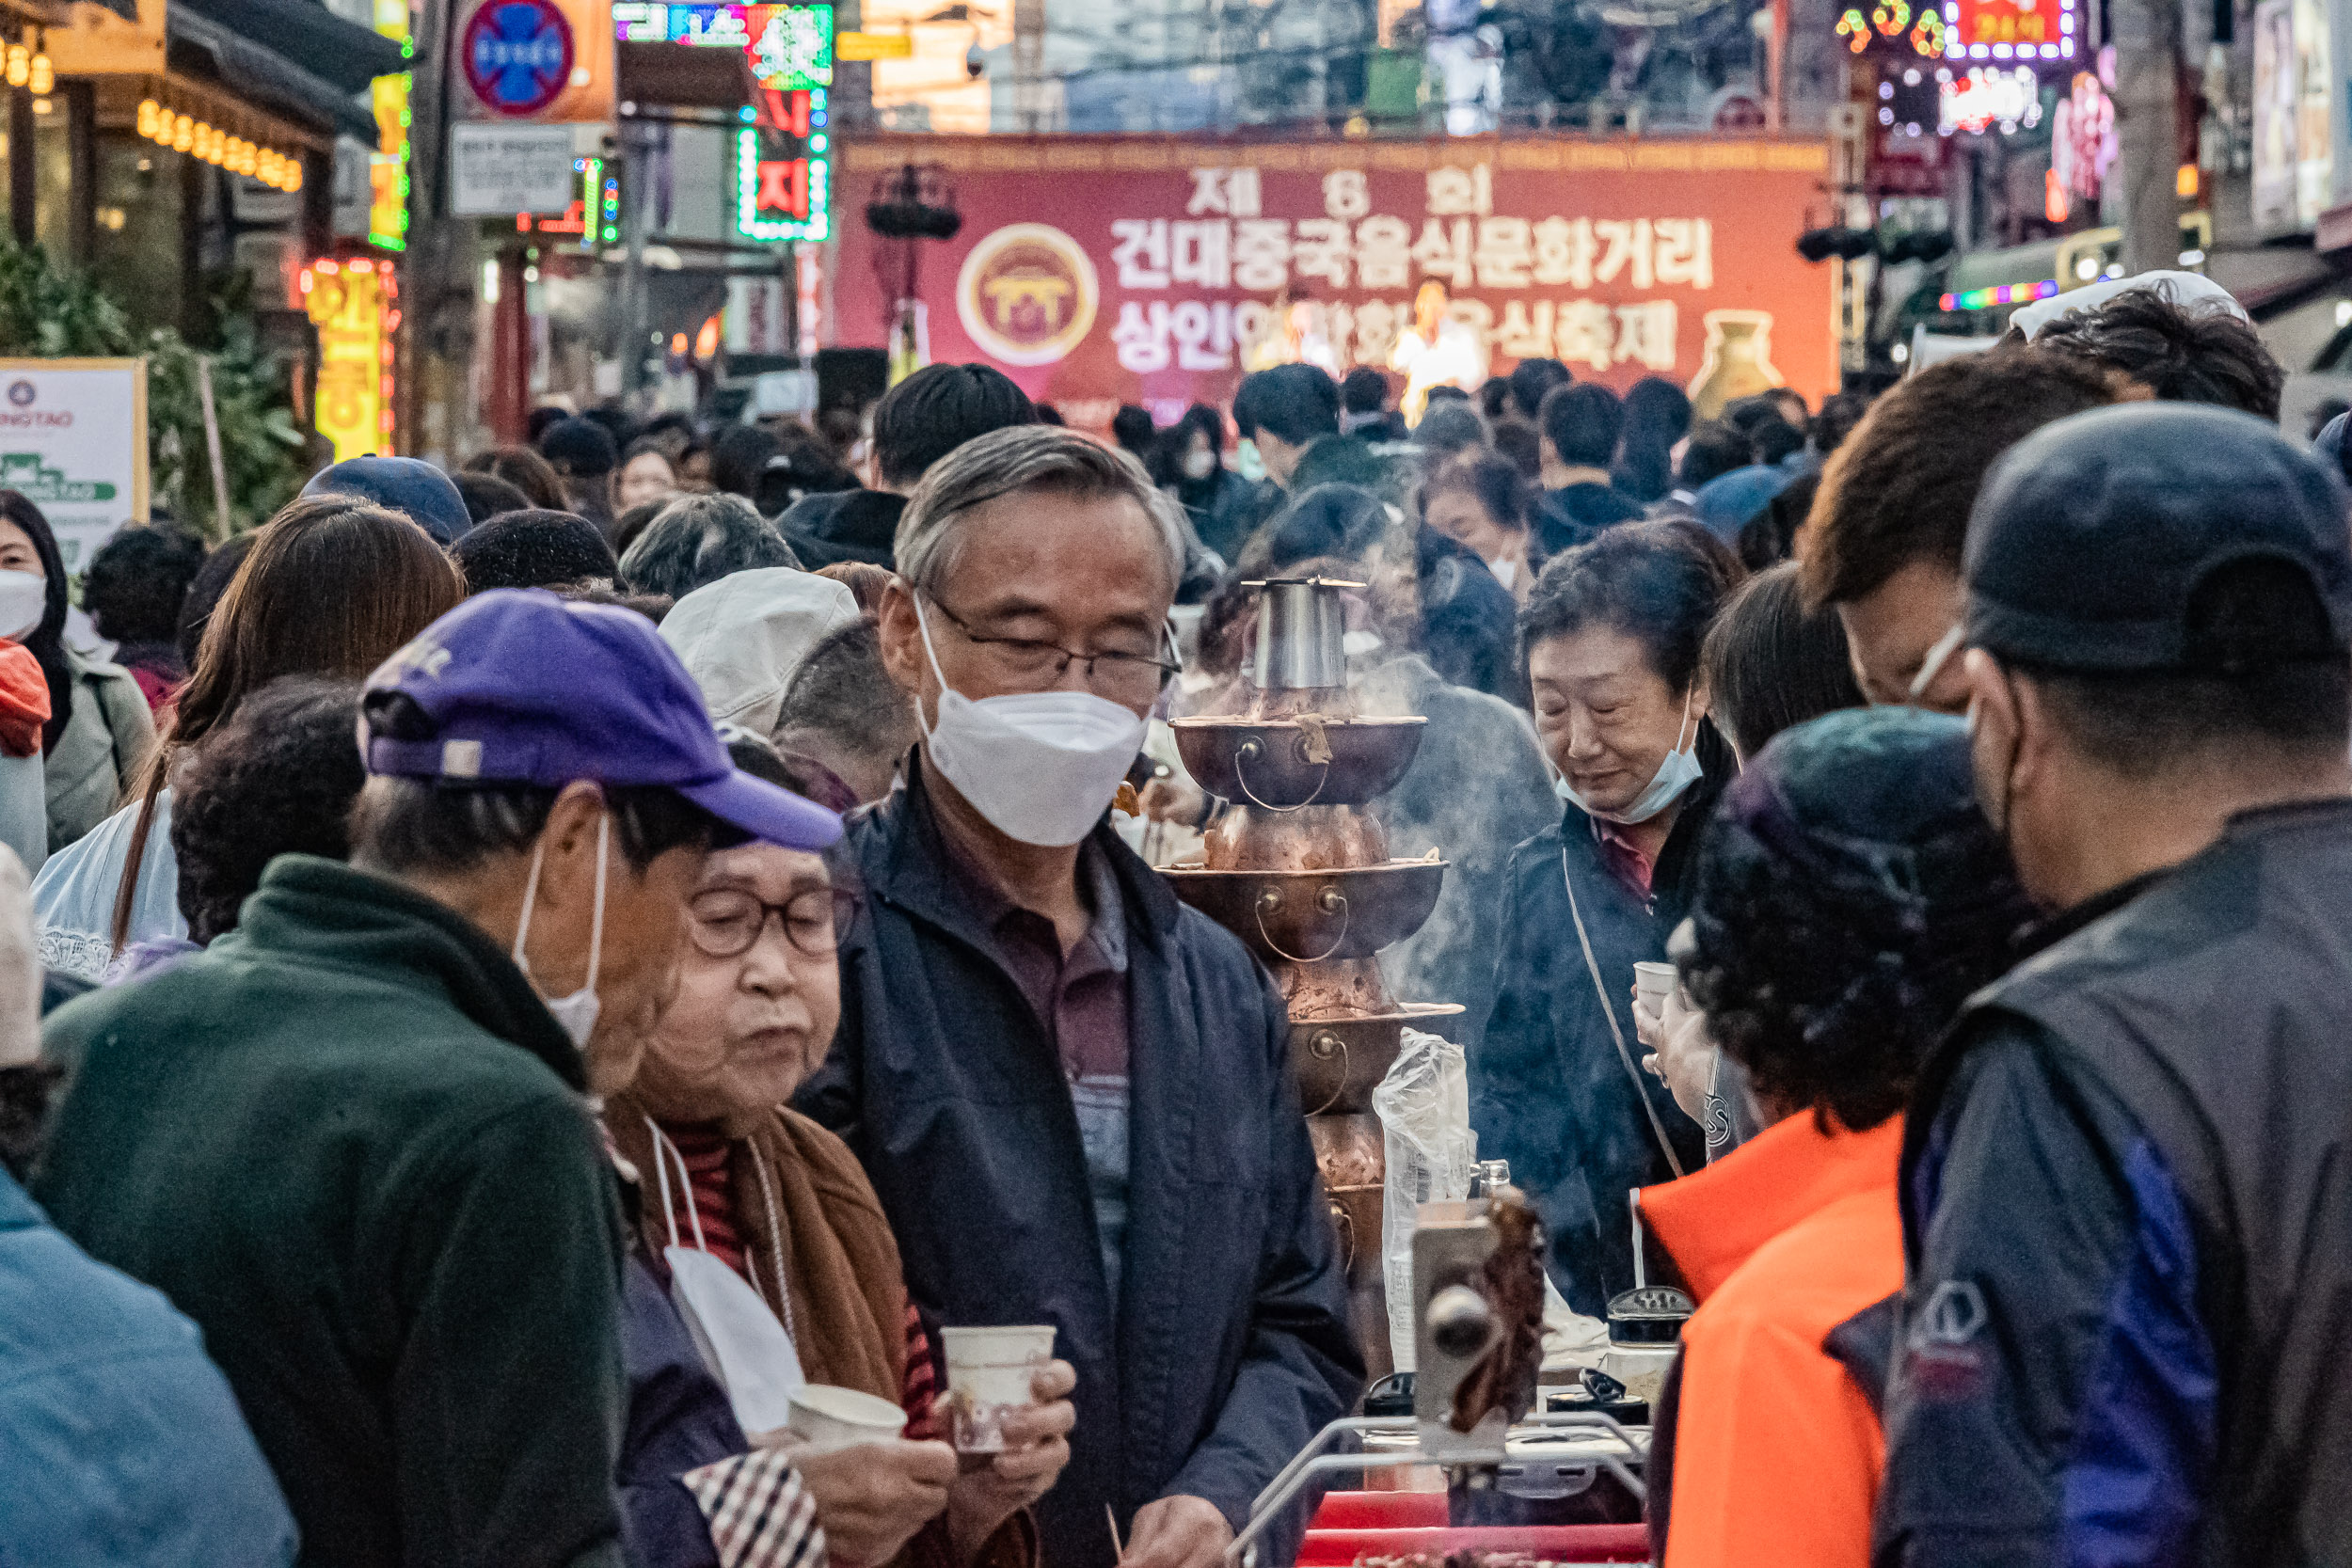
pixel 523 688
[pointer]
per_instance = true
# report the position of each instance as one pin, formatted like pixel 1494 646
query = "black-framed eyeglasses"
pixel 725 921
pixel 1027 659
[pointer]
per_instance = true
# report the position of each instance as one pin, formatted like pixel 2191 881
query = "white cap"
pixel 743 636
pixel 2182 288
pixel 20 966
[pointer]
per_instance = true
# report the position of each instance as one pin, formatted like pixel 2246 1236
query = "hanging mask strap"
pixel 1633 1074
pixel 596 929
pixel 531 900
pixel 662 1147
pixel 930 653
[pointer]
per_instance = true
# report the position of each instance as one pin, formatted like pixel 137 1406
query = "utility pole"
pixel 2148 145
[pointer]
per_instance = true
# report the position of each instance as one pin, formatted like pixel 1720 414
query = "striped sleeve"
pixel 760 1514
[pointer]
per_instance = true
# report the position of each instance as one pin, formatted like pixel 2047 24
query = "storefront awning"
pixel 309 35
pixel 269 80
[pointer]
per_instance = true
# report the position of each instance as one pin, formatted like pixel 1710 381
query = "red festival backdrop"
pixel 1103 270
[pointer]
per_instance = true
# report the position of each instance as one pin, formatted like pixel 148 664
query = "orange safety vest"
pixel 1776 1452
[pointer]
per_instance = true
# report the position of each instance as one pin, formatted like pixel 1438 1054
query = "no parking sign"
pixel 543 60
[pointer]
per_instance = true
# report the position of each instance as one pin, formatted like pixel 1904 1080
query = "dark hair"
pixel 486 496
pixel 533 549
pixel 1048 414
pixel 535 423
pixel 739 456
pixel 1363 391
pixel 631 525
pixel 1337 460
pixel 1445 391
pixel 1133 429
pixel 842 690
pixel 1657 414
pixel 2199 353
pixel 205 591
pixel 1840 412
pixel 1582 422
pixel 523 469
pixel 1900 488
pixel 801 464
pixel 1715 450
pixel 580 449
pixel 1516 440
pixel 1449 428
pixel 334 586
pixel 1659 583
pixel 1494 400
pixel 1771 535
pixel 1746 414
pixel 696 540
pixel 1494 481
pixel 1534 380
pixel 46 641
pixel 1326 520
pixel 1772 440
pixel 2263 675
pixel 938 409
pixel 278 778
pixel 1296 403
pixel 1772 664
pixel 405 824
pixel 1835 943
pixel 137 581
pixel 1166 459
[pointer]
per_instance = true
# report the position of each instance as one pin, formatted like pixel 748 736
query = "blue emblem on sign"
pixel 517 55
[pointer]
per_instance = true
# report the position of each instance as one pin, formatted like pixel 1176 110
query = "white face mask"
pixel 1199 465
pixel 575 1014
pixel 23 600
pixel 1041 766
pixel 1505 569
pixel 747 1350
pixel 1677 772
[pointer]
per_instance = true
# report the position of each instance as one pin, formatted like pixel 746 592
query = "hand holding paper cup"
pixel 991 1372
pixel 826 1420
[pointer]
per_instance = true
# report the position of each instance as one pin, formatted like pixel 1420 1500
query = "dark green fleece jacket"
pixel 350 1142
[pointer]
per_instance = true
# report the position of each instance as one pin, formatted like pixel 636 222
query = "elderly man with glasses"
pixel 1070 1089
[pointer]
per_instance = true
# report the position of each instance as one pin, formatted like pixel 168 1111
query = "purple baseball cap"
pixel 524 687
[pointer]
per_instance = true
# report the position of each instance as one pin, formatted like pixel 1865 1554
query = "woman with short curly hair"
pixel 1848 896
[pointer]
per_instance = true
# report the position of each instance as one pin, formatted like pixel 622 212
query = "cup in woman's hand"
pixel 990 1373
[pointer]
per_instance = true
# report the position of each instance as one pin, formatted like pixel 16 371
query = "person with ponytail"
pixel 333 585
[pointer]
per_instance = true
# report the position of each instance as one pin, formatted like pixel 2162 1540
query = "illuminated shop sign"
pixel 783 164
pixel 2008 29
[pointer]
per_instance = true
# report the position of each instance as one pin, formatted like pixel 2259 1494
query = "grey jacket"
pixel 100 750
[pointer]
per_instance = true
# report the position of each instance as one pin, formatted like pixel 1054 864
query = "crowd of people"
pixel 507 976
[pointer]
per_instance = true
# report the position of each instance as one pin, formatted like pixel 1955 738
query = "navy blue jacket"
pixel 678 1421
pixel 1231 1347
pixel 1549 1090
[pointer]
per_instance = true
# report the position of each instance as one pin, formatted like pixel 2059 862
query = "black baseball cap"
pixel 2092 535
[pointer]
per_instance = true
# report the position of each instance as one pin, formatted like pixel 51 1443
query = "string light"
pixel 215 146
pixel 20 65
pixel 39 75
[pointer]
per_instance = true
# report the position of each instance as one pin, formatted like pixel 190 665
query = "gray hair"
pixel 696 540
pixel 1022 458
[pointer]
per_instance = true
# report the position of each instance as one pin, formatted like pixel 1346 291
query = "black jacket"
pixel 834 526
pixel 1548 1089
pixel 1576 514
pixel 2125 1204
pixel 1231 1346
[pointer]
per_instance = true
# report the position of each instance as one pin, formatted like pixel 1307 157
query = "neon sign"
pixel 783 162
pixel 595 214
pixel 1986 97
pixel 388 167
pixel 354 305
pixel 2008 29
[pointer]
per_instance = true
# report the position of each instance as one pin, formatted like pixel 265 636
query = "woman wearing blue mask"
pixel 1610 638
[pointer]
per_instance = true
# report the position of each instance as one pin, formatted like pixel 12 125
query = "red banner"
pixel 1104 270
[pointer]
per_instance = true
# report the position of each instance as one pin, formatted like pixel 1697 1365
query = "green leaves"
pixel 51 311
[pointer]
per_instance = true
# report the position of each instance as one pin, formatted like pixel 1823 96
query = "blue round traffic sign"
pixel 517 55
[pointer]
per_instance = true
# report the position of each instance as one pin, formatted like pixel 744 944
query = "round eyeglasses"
pixel 725 921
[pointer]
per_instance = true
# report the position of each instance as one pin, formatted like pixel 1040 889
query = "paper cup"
pixel 989 1374
pixel 1655 981
pixel 829 1418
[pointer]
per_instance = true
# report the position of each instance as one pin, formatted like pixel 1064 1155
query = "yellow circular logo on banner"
pixel 1026 294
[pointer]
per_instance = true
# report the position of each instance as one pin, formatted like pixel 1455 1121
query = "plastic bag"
pixel 1423 1105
